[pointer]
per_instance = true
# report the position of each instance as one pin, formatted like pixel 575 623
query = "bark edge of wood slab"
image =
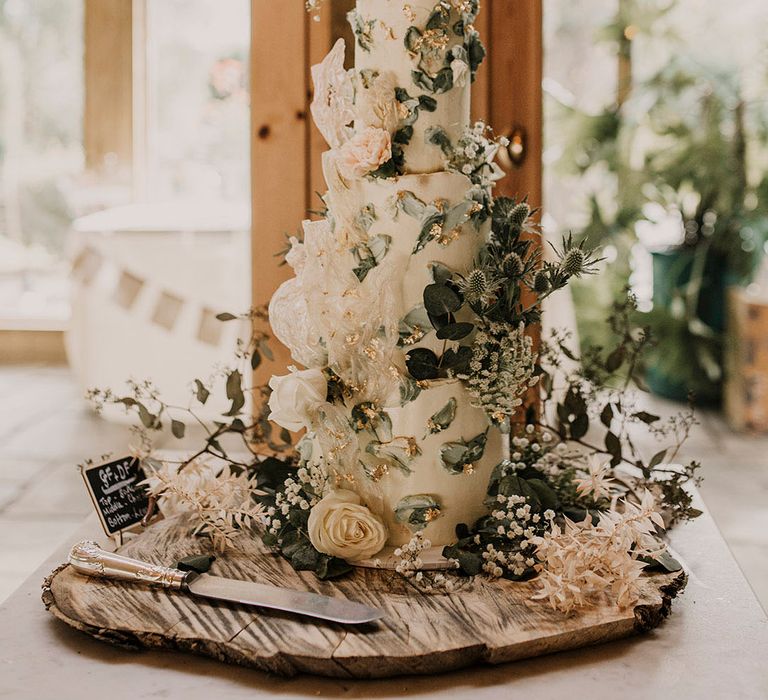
pixel 485 622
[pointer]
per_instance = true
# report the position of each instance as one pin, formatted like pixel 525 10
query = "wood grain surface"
pixel 483 622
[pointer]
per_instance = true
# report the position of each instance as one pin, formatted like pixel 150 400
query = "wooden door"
pixel 286 148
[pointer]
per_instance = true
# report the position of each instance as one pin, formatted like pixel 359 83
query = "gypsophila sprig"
pixel 410 566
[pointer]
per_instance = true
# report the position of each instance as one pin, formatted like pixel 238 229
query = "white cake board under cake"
pixel 432 559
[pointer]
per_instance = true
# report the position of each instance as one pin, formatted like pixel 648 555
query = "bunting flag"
pixel 90 269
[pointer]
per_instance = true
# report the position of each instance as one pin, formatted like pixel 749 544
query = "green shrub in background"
pixel 680 152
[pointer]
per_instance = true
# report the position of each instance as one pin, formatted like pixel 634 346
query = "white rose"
pixel 377 105
pixel 340 526
pixel 460 72
pixel 295 397
pixel 364 152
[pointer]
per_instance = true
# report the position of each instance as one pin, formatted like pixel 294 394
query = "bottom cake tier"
pixel 433 473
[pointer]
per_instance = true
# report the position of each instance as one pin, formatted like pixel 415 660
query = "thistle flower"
pixel 573 262
pixel 479 287
pixel 513 265
pixel 540 282
pixel 520 213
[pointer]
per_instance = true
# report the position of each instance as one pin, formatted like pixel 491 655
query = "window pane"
pixel 41 97
pixel 198 98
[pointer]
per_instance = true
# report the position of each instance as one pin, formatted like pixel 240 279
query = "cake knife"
pixel 88 559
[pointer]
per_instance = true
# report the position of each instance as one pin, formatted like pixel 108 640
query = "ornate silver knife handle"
pixel 89 559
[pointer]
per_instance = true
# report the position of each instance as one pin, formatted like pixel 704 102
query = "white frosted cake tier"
pixel 458 495
pixel 386 23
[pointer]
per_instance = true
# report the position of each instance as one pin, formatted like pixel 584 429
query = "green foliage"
pixel 600 387
pixel 683 141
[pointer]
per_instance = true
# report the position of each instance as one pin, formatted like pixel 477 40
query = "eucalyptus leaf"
pixel 455 331
pixel 235 392
pixel 664 561
pixel 148 419
pixel 328 568
pixel 606 415
pixel 457 360
pixel 579 426
pixel 513 485
pixel 440 299
pixel 199 563
pixel 613 446
pixel 422 364
pixel 178 429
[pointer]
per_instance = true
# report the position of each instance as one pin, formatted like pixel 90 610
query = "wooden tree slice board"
pixel 484 622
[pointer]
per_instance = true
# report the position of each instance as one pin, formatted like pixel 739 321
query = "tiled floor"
pixel 46 429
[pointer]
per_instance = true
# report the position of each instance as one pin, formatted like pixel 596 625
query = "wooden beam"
pixel 279 147
pixel 108 117
pixel 514 65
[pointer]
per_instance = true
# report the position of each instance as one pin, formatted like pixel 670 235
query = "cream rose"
pixel 364 152
pixel 340 526
pixel 377 105
pixel 295 397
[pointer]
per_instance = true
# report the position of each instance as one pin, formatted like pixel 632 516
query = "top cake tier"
pixel 429 50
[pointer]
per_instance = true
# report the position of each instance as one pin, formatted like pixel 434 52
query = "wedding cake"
pixel 373 315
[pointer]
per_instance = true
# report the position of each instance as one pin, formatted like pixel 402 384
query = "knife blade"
pixel 88 559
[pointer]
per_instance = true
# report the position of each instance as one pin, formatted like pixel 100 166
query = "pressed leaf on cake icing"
pixel 366 416
pixel 414 326
pixel 418 511
pixel 409 390
pixel 459 457
pixel 442 419
pixel 371 255
pixel 400 452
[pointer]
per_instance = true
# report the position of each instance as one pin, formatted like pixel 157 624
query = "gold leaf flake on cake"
pixel 389 33
pixel 410 15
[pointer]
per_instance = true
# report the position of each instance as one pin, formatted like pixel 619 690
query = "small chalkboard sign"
pixel 114 489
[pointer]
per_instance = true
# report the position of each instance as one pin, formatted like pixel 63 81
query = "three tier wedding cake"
pixel 376 312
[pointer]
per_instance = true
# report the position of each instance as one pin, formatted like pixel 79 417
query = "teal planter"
pixel 671 273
